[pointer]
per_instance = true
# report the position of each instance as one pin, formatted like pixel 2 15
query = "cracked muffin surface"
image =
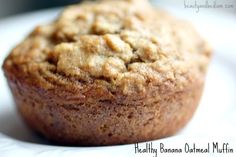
pixel 126 43
pixel 108 72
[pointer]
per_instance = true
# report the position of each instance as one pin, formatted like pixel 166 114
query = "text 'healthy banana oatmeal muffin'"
pixel 108 72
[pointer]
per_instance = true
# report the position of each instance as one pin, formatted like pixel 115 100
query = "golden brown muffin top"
pixel 127 43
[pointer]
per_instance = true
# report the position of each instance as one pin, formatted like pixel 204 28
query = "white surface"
pixel 213 121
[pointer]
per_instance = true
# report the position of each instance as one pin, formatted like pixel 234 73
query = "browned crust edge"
pixel 102 117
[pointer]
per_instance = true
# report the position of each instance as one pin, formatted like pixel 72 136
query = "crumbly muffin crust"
pixel 100 63
pixel 126 43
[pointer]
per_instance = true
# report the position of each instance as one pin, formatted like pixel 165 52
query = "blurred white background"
pixel 12 7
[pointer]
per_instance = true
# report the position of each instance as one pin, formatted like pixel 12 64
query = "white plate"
pixel 215 119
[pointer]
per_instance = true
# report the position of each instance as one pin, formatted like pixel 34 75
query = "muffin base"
pixel 105 122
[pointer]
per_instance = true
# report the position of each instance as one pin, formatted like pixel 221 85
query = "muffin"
pixel 108 72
